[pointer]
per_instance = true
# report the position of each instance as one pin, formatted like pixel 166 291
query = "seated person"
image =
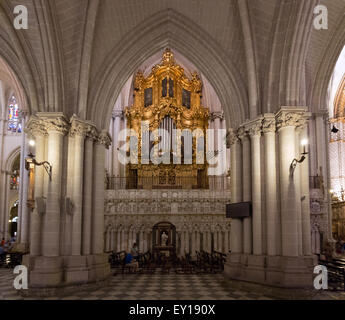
pixel 131 262
pixel 135 251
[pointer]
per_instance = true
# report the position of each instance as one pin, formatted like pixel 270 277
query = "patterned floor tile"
pixel 172 287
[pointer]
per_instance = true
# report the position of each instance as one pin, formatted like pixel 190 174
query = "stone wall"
pixel 198 215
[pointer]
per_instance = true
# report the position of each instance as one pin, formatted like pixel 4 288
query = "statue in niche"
pixel 164 239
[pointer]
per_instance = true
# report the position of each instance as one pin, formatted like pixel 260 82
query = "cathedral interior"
pixel 197 137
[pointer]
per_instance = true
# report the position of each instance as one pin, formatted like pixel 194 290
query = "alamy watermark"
pixel 21 20
pixel 21 281
pixel 321 280
pixel 163 147
pixel 321 19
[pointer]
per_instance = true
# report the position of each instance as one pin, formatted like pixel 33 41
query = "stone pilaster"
pixel 91 137
pixel 103 142
pixel 78 132
pixel 236 191
pixel 57 127
pixel 287 120
pixel 254 128
pixel 273 234
pixel 36 128
pixel 247 188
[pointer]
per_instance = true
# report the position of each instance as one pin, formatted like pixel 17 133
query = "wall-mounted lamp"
pixel 334 129
pixel 31 162
pixel 294 163
pixel 32 143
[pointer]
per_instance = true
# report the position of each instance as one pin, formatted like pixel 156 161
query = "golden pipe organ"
pixel 168 100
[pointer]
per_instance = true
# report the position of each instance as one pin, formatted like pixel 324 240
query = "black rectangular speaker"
pixel 239 210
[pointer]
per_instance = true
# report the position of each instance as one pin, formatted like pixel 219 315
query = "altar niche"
pixel 164 240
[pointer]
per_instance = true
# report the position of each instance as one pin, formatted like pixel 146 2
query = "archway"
pixel 167 29
pixel 337 148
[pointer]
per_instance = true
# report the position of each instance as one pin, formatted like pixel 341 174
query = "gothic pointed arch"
pixel 339 103
pixel 167 29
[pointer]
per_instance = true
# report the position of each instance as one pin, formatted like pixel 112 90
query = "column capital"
pixel 35 127
pixel 303 121
pixel 104 139
pixel 254 127
pixel 242 133
pixel 91 132
pixel 231 138
pixel 117 114
pixel 269 124
pixel 290 116
pixel 78 127
pixel 54 122
pixel 217 115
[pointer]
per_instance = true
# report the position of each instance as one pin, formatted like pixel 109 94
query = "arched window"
pixel 14 124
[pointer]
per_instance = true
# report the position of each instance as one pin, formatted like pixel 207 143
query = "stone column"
pixel 91 135
pixel 101 144
pixel 57 127
pixel 188 239
pixel 122 240
pixel 226 242
pixel 78 131
pixel 297 182
pixel 286 124
pixel 23 223
pixel 269 130
pixel 255 137
pixel 36 128
pixel 182 244
pixel 247 189
pixel 193 241
pixel 217 120
pixel 110 152
pixel 118 240
pixel 306 232
pixel 197 241
pixel 236 192
pixel 117 126
pixel 215 240
pixel 220 241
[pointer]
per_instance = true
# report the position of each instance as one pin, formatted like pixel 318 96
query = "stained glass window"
pixel 15 176
pixel 14 124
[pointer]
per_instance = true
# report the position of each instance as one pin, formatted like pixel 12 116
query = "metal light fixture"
pixel 294 163
pixel 334 129
pixel 31 162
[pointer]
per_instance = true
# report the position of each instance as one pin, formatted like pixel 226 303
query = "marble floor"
pixel 172 287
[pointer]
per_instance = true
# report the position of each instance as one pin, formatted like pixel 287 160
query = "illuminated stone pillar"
pixel 236 192
pixel 101 144
pixel 306 228
pixel 254 129
pixel 78 131
pixel 91 136
pixel 286 125
pixel 297 181
pixel 117 115
pixel 272 234
pixel 36 129
pixel 57 127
